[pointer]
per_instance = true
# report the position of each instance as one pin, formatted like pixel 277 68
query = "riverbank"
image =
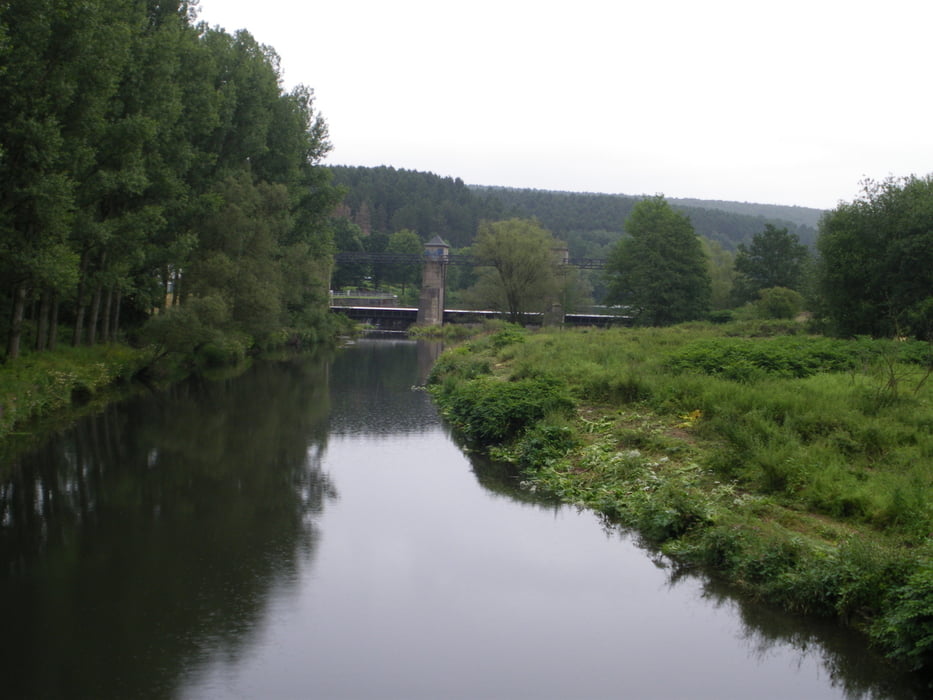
pixel 46 384
pixel 38 384
pixel 797 468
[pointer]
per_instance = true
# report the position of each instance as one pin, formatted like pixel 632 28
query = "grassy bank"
pixel 798 468
pixel 39 384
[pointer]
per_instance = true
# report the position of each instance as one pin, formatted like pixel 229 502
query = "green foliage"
pixel 741 359
pixel 583 217
pixel 659 273
pixel 721 265
pixel 877 260
pixel 543 444
pixel 522 274
pixel 149 160
pixel 906 630
pixel 405 242
pixel 385 199
pixel 459 364
pixel 801 485
pixel 37 384
pixel 779 302
pixel 489 411
pixel 775 258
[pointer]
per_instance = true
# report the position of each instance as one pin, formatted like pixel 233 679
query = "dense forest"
pixel 384 200
pixel 152 166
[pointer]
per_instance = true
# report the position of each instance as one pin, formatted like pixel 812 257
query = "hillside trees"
pixel 130 138
pixel 659 270
pixel 774 258
pixel 385 200
pixel 405 242
pixel 876 269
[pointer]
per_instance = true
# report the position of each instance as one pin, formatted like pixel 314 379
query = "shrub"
pixel 906 629
pixel 544 443
pixel 491 412
pixel 779 302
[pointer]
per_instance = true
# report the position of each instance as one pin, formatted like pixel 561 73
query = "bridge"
pixel 431 311
pixel 398 318
pixel 458 259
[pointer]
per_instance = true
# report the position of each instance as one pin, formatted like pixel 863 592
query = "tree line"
pixel 867 270
pixel 156 178
pixel 383 200
pixel 152 164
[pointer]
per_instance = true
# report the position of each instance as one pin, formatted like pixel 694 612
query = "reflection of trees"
pixel 846 657
pixel 155 531
pixel 375 379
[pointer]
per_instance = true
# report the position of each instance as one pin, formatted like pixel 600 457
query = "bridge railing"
pixel 409 258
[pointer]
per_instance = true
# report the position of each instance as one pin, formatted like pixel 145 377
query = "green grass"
pixel 799 467
pixel 38 384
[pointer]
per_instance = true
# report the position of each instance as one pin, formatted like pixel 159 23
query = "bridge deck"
pixel 404 316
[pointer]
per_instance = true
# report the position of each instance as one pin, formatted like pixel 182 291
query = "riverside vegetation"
pixel 797 467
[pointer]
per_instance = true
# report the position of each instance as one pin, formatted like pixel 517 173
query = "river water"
pixel 311 530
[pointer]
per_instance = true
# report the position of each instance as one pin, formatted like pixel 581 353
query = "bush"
pixel 544 444
pixel 906 630
pixel 779 302
pixel 491 412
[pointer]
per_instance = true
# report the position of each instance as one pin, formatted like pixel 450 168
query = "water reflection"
pixel 150 534
pixel 374 396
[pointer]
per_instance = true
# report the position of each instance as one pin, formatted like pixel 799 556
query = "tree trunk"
pixel 166 288
pixel 105 319
pixel 53 322
pixel 95 313
pixel 42 322
pixel 176 288
pixel 79 301
pixel 16 323
pixel 115 325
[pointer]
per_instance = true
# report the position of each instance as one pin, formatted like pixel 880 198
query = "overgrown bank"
pixel 798 468
pixel 42 384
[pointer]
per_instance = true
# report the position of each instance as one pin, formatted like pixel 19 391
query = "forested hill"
pixel 802 216
pixel 568 214
pixel 386 200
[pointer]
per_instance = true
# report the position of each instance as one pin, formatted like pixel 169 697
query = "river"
pixel 310 529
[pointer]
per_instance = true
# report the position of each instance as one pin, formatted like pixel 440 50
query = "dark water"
pixel 310 530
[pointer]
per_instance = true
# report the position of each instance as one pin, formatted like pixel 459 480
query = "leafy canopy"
pixel 522 267
pixel 876 270
pixel 775 258
pixel 659 271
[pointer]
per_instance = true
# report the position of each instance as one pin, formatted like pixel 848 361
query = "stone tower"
pixel 431 304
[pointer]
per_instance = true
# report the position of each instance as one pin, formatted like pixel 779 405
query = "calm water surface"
pixel 311 530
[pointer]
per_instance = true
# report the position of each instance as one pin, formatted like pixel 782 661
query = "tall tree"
pixel 876 268
pixel 775 258
pixel 659 270
pixel 64 60
pixel 522 263
pixel 721 272
pixel 405 242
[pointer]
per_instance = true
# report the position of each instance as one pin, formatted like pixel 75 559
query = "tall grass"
pixel 35 385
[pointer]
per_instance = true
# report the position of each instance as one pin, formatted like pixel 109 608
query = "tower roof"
pixel 437 242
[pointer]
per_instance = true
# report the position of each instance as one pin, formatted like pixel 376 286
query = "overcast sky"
pixel 790 102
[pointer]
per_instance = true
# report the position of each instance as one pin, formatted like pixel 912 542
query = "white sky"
pixel 790 102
